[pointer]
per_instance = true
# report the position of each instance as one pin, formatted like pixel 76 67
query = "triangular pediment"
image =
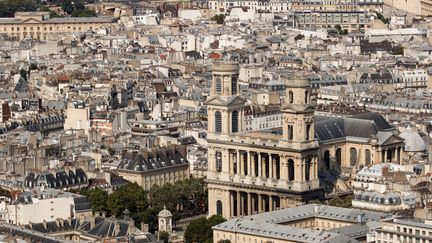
pixel 232 101
pixel 392 140
pixel 31 21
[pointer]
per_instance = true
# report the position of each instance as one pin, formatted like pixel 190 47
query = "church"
pixel 261 171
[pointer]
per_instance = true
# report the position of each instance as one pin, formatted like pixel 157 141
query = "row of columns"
pixel 395 154
pixel 246 203
pixel 273 166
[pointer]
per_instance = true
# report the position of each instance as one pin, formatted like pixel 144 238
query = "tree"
pixel 98 199
pixel 70 6
pixel 9 7
pixel 200 230
pixel 130 196
pixel 84 13
pixel 219 18
pixel 398 50
pixel 382 18
pixel 53 14
pixel 164 236
pixel 197 231
pixel 345 202
pixel 23 74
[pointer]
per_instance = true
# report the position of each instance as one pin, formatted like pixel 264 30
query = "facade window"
pixel 234 121
pixel 306 97
pixel 219 207
pixel 308 132
pixel 218 121
pixel 234 85
pixel 218 159
pixel 290 97
pixel 218 86
pixel 367 157
pixel 290 170
pixel 353 156
pixel 290 132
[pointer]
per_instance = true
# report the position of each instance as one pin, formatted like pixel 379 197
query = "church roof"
pixel 360 126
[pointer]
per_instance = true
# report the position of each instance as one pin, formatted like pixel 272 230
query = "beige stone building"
pixel 403 229
pixel 39 25
pixel 259 171
pixel 253 172
pixel 308 223
pixel 156 167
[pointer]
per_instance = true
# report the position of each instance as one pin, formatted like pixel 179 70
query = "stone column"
pixel 275 166
pixel 316 168
pixel 231 163
pixel 249 209
pixel 259 165
pixel 303 169
pixel 238 203
pixel 270 203
pixel 253 204
pixel 232 204
pixel 252 172
pixel 242 209
pixel 283 167
pixel 239 164
pixel 260 203
pixel 248 163
pixel 270 163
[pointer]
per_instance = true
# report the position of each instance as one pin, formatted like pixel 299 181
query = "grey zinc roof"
pixel 81 20
pixel 362 126
pixel 271 223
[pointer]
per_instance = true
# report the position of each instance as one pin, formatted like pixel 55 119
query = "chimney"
pixel 69 220
pixel 61 222
pixel 116 228
pixel 44 224
pixel 92 221
pixel 144 227
pixel 57 222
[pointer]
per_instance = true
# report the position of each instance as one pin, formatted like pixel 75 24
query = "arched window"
pixel 367 157
pixel 218 207
pixel 290 170
pixel 218 121
pixel 218 158
pixel 234 121
pixel 307 169
pixel 290 97
pixel 234 85
pixel 218 85
pixel 353 156
pixel 308 131
pixel 339 157
pixel 327 159
pixel 306 97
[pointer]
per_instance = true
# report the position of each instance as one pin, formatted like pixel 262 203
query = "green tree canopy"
pixel 98 199
pixel 130 196
pixel 9 7
pixel 219 18
pixel 200 230
pixel 84 13
pixel 70 6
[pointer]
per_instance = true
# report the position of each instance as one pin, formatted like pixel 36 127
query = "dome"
pixel 164 213
pixel 413 141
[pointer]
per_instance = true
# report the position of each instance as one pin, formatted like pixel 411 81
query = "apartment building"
pixel 347 20
pixel 403 229
pixel 39 25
